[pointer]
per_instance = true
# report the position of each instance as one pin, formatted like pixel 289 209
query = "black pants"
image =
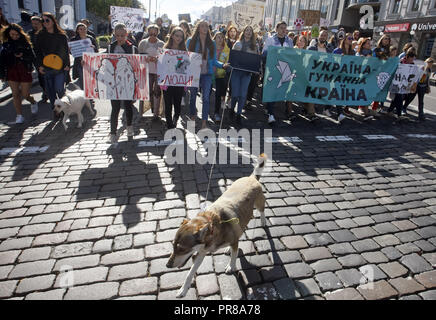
pixel 173 96
pixel 221 89
pixel 421 91
pixel 116 106
pixel 252 86
pixel 397 104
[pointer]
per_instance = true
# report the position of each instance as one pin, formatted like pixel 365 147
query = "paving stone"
pixel 56 294
pixel 171 295
pixel 407 248
pixel 128 271
pixel 350 277
pixel 123 257
pixel 364 232
pixel 282 257
pixel 303 228
pixel 363 221
pixel 391 253
pixel 9 257
pixel 344 294
pixel 404 225
pixel 298 270
pixel 77 262
pixel 7 288
pixel 365 245
pixel 286 289
pixel 393 269
pixel 375 257
pixel 407 236
pixel 33 268
pixel 35 284
pixel 133 287
pixel 250 277
pixel 34 254
pixel 425 246
pixel 318 239
pixel 428 279
pixel 36 229
pixel 294 242
pixel 255 261
pixel 280 231
pixel 50 239
pixel 207 284
pixel 406 285
pixel 229 288
pixel 372 273
pixel 72 250
pixel 342 235
pixel 302 219
pixel 326 265
pixel 102 246
pixel 272 273
pixel 70 277
pixel 5 270
pixel 264 291
pixel 352 260
pixel 98 291
pixel 328 281
pixel 308 287
pixel 313 254
pixel 340 249
pixel 158 250
pixel 428 295
pixel 415 263
pixel 377 290
pixel 387 240
pixel 427 232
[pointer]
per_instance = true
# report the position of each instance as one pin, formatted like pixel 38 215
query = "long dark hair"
pixel 170 42
pixel 252 39
pixel 348 51
pixel 196 37
pixel 186 25
pixel 5 36
pixel 56 27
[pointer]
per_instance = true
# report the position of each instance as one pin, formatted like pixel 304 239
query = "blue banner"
pixel 328 79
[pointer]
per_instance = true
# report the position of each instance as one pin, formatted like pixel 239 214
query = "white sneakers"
pixel 34 108
pixel 271 119
pixel 19 119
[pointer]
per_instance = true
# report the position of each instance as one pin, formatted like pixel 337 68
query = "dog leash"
pixel 204 205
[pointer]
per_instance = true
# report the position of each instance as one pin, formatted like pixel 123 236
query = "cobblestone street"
pixel 351 213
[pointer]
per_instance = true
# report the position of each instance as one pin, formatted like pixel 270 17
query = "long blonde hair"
pixel 196 37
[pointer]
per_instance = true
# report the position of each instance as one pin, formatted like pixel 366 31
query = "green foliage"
pixel 102 7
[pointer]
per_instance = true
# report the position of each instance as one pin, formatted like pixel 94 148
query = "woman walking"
pixel 173 95
pixel 81 34
pixel 241 79
pixel 151 47
pixel 122 46
pixel 223 54
pixel 424 87
pixel 201 42
pixel 52 58
pixel 16 64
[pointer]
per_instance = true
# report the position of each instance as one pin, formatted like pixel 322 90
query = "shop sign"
pixel 424 27
pixel 401 27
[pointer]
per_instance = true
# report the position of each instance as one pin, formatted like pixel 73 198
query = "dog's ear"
pixel 202 232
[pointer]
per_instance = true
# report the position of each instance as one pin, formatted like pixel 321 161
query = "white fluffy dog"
pixel 72 102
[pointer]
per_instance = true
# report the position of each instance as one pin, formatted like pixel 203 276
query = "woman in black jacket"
pixel 16 64
pixel 81 34
pixel 52 57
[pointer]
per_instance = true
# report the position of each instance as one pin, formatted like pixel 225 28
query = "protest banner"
pixel 245 61
pixel 179 68
pixel 78 47
pixel 133 18
pixel 405 78
pixel 115 76
pixel 310 17
pixel 322 78
pixel 247 15
pixel 185 16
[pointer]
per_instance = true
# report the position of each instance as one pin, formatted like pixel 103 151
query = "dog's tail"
pixel 261 161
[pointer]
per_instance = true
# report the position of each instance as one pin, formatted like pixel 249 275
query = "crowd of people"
pixel 44 45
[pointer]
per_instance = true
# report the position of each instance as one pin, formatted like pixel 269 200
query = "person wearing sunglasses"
pixel 150 47
pixel 52 58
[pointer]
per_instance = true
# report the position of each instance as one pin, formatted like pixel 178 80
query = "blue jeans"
pixel 54 85
pixel 206 87
pixel 240 81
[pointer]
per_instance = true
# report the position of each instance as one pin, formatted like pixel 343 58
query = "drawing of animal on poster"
pixel 406 78
pixel 179 68
pixel 133 18
pixel 247 15
pixel 115 76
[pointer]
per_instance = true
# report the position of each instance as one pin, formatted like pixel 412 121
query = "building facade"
pixel 68 12
pixel 409 21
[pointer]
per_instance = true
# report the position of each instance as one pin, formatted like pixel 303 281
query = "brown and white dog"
pixel 220 225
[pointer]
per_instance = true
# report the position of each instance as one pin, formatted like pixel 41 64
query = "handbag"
pixel 53 61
